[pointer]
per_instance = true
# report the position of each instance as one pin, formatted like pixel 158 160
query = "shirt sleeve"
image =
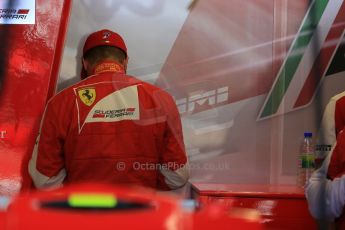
pixel 174 172
pixel 46 166
pixel 326 198
pixel 335 166
pixel 339 114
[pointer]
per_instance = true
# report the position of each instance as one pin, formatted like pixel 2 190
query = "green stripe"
pixel 301 41
pixel 80 200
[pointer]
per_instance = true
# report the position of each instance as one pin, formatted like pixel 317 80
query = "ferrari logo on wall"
pixel 87 95
pixel 17 12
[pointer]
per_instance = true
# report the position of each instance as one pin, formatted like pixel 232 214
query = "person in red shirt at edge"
pixel 325 190
pixel 110 127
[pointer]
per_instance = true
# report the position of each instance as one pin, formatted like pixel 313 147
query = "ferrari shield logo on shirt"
pixel 115 106
pixel 87 95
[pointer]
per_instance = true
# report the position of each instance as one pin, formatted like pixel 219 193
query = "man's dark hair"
pixel 105 52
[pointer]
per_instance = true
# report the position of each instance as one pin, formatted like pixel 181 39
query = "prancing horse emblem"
pixel 87 95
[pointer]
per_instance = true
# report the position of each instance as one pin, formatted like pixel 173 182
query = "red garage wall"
pixel 30 62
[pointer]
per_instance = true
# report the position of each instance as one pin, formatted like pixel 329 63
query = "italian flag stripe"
pixel 294 57
pixel 323 61
pixel 310 54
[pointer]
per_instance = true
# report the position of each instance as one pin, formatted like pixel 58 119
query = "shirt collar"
pixel 108 66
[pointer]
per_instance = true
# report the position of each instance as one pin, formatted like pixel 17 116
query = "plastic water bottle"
pixel 306 160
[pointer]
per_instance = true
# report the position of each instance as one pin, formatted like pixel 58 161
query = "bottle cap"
pixel 308 134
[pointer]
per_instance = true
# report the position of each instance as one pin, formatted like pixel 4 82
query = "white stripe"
pixel 309 57
pixel 77 105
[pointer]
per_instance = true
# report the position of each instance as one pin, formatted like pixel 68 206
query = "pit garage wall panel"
pixel 29 67
pixel 226 69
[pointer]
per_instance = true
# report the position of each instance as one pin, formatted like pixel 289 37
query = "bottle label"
pixel 307 161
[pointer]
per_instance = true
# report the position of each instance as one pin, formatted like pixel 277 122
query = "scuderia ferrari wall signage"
pixel 17 11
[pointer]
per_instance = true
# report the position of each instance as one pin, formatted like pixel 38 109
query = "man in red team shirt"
pixel 110 127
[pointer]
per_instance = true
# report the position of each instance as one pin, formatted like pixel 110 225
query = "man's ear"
pixel 85 63
pixel 125 62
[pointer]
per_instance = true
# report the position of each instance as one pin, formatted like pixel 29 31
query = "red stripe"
pixel 98 116
pixel 324 58
pixel 130 109
pixel 23 11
